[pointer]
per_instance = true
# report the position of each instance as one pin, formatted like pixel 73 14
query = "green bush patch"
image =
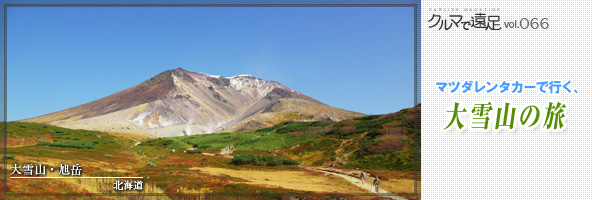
pixel 262 160
pixel 175 144
pixel 194 151
pixel 43 143
pixel 74 144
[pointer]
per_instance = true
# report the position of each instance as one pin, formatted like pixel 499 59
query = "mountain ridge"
pixel 179 102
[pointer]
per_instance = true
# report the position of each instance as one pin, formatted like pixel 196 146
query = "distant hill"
pixel 179 102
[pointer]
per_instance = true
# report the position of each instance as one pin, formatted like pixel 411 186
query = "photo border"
pixel 373 3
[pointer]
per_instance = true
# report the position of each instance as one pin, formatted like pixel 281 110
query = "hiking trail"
pixel 356 181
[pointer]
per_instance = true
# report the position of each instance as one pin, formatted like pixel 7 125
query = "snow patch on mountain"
pixel 210 75
pixel 243 75
pixel 236 83
pixel 240 81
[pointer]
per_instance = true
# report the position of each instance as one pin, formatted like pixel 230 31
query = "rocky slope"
pixel 178 102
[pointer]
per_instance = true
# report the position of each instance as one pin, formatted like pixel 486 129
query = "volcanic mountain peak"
pixel 177 102
pixel 237 82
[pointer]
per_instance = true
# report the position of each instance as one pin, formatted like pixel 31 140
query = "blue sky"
pixel 358 59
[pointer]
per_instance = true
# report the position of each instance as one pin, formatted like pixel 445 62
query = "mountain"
pixel 179 102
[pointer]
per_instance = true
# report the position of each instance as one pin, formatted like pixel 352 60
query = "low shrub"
pixel 262 160
pixel 43 143
pixel 175 144
pixel 194 151
pixel 167 142
pixel 74 144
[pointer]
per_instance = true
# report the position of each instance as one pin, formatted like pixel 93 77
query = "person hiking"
pixel 376 183
pixel 362 176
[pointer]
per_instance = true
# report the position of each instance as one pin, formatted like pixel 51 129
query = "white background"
pixel 519 164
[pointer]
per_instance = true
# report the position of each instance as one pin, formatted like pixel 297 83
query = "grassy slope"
pixel 111 156
pixel 363 143
pixel 380 142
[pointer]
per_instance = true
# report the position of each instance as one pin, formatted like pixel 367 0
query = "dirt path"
pixel 356 181
pixel 211 154
pixel 224 153
pixel 339 151
pixel 340 154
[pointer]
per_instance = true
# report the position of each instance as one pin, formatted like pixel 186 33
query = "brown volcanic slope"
pixel 178 102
